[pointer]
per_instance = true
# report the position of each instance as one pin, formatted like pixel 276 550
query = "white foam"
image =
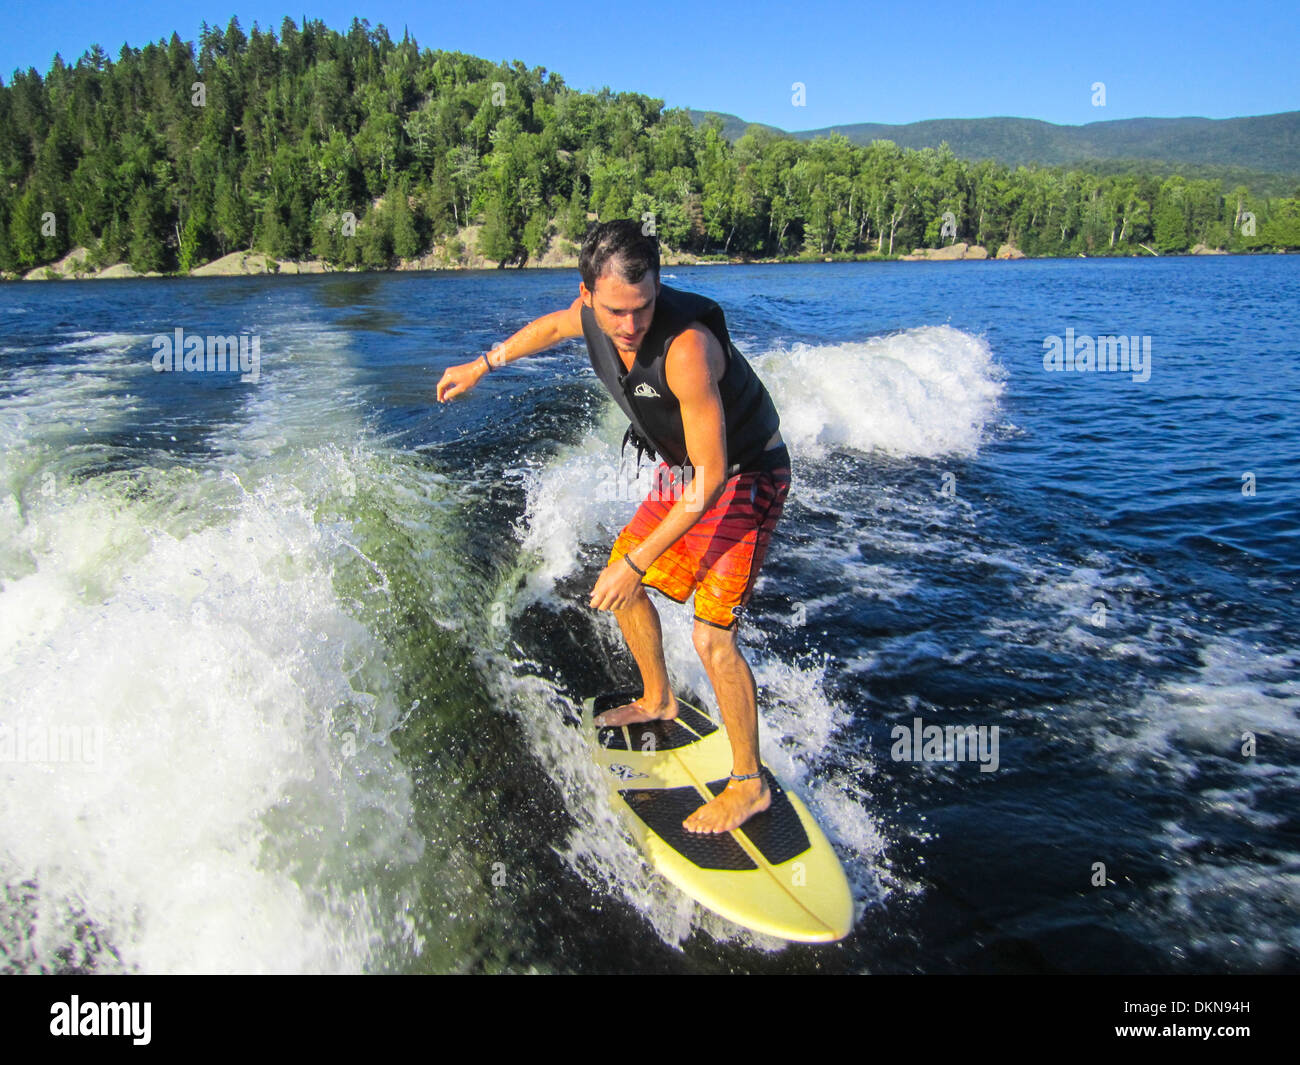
pixel 1237 689
pixel 85 340
pixel 1242 913
pixel 215 665
pixel 246 797
pixel 927 391
pixel 51 409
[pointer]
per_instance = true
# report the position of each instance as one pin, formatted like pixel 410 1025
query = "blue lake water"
pixel 288 666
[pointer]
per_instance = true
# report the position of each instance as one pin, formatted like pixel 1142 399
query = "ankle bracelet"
pixel 747 776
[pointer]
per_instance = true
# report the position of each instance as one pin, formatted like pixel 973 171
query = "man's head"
pixel 620 280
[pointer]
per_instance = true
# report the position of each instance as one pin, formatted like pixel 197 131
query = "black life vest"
pixel 654 411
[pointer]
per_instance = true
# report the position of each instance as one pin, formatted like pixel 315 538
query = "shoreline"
pixel 253 264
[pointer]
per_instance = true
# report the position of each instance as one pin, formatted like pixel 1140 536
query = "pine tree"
pixel 25 230
pixel 406 237
pixel 195 223
pixel 495 240
pixel 231 216
pixel 146 250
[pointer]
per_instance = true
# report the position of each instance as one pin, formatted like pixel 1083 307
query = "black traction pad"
pixel 660 736
pixel 611 738
pixel 664 809
pixel 777 832
pixel 692 717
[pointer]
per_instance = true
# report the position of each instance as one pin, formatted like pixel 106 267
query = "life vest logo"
pixel 645 390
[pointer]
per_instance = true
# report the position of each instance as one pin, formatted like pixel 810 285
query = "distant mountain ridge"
pixel 1269 143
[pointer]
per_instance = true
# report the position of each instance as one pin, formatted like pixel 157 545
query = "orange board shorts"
pixel 720 555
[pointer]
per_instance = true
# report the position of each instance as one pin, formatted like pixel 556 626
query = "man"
pixel 668 360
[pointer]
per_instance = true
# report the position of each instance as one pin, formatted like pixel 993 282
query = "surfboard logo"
pixel 626 772
pixel 646 391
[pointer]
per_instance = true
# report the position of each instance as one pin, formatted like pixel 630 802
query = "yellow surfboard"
pixel 776 874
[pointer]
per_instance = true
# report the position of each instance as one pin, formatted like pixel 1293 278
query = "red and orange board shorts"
pixel 720 555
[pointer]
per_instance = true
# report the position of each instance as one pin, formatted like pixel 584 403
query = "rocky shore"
pixel 457 253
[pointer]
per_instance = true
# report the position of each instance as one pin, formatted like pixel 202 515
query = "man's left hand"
pixel 616 586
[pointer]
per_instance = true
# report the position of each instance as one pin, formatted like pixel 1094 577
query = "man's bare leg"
pixel 737 695
pixel 639 621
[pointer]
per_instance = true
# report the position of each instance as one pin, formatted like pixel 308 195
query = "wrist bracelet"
pixel 628 559
pixel 488 364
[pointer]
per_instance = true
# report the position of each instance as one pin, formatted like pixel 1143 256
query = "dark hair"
pixel 622 244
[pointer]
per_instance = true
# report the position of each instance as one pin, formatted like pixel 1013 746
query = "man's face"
pixel 623 311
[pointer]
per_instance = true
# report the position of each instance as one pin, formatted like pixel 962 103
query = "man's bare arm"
pixel 538 335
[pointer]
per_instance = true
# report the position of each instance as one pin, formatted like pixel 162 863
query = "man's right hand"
pixel 458 379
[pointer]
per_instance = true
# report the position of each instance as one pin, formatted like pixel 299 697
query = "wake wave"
pixel 232 790
pixel 924 392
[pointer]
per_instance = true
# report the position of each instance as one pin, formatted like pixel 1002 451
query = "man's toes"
pixel 703 820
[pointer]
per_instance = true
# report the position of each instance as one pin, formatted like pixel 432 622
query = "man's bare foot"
pixel 739 801
pixel 635 713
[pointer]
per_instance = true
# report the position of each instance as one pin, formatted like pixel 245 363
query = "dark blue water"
pixel 321 640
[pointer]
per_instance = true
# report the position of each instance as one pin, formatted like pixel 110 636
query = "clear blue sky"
pixel 860 61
